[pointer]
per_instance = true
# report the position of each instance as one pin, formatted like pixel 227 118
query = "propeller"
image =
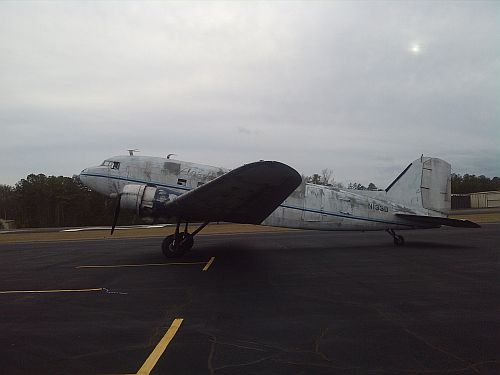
pixel 117 212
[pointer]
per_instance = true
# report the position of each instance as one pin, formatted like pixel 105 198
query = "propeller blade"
pixel 117 213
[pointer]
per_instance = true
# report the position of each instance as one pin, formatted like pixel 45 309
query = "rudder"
pixel 425 183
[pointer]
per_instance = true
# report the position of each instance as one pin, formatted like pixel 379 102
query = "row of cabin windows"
pixel 183 182
pixel 116 165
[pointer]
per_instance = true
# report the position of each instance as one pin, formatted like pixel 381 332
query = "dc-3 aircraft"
pixel 269 193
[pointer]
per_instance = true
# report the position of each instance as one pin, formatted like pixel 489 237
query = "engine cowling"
pixel 149 202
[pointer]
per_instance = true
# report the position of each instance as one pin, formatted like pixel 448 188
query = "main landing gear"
pixel 176 245
pixel 398 239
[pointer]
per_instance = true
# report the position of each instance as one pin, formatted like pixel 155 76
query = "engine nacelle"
pixel 146 201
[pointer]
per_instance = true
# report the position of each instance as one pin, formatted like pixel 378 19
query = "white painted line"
pixel 51 291
pixel 117 228
pixel 142 265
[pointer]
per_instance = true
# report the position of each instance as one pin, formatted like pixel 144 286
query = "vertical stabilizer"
pixel 425 183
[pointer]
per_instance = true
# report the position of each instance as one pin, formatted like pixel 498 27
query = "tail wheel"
pixel 399 240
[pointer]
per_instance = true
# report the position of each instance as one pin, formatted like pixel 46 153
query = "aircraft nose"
pixel 82 176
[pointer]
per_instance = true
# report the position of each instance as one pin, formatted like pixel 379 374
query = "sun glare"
pixel 415 48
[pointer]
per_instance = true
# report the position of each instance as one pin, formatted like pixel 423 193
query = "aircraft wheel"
pixel 170 249
pixel 399 240
pixel 187 241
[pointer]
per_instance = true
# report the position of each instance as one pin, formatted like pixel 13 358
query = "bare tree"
pixel 314 179
pixel 356 186
pixel 326 177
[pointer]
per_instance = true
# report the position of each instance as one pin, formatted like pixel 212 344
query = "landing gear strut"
pixel 398 239
pixel 176 245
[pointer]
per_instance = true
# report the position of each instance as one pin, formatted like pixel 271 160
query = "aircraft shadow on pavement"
pixel 234 252
pixel 434 245
pixel 244 252
pixel 248 253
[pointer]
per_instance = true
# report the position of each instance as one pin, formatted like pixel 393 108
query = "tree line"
pixel 469 183
pixel 50 201
pixel 40 201
pixel 326 178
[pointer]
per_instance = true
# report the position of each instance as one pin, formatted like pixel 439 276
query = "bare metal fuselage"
pixel 310 206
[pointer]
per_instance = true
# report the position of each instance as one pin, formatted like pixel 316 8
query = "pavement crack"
pixel 317 344
pixel 382 370
pixel 320 365
pixel 277 348
pixel 211 355
pixel 240 346
pixel 415 335
pixel 247 363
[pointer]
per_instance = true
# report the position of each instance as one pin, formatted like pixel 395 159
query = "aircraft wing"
pixel 247 194
pixel 433 220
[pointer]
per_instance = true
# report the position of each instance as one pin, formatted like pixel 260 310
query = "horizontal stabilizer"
pixel 433 220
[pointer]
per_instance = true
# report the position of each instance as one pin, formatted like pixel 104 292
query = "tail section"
pixel 425 183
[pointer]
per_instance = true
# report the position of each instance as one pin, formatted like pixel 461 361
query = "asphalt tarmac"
pixel 265 303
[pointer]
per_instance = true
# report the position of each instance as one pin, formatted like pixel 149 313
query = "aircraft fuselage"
pixel 310 206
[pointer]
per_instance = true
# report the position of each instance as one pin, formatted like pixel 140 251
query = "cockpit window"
pixel 111 164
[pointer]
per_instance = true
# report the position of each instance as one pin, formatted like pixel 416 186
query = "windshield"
pixel 111 164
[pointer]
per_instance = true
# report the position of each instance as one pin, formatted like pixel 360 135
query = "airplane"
pixel 269 193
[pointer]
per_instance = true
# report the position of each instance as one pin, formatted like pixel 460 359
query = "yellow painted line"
pixel 51 291
pixel 209 263
pixel 142 265
pixel 160 348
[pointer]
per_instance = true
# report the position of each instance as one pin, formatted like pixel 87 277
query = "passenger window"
pixel 181 182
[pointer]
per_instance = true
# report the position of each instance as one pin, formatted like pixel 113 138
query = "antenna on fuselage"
pixel 131 152
pixel 169 155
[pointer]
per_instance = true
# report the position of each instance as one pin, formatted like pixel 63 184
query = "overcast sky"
pixel 362 88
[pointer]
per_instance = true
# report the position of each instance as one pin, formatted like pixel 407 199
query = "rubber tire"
pixel 399 240
pixel 169 251
pixel 186 243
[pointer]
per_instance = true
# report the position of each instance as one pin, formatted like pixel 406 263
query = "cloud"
pixel 313 84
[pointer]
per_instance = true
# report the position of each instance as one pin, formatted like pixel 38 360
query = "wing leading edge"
pixel 246 195
pixel 437 221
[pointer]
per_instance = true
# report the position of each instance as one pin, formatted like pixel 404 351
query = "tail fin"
pixel 425 183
